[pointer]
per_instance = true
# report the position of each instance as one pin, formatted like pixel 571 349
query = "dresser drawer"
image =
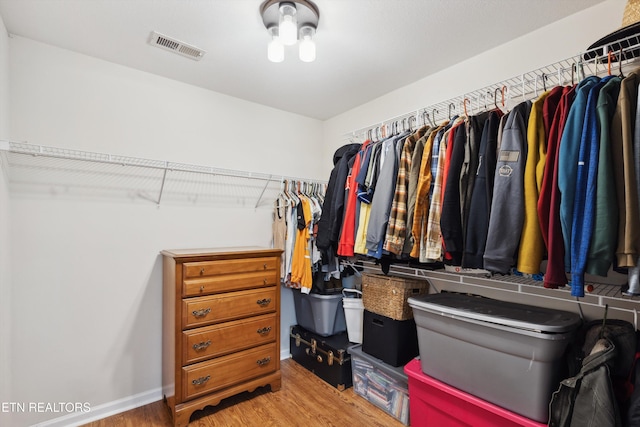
pixel 202 311
pixel 209 341
pixel 228 275
pixel 216 268
pixel 228 282
pixel 224 371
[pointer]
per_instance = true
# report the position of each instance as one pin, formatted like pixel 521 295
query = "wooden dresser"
pixel 221 325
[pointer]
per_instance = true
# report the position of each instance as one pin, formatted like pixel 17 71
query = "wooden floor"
pixel 303 400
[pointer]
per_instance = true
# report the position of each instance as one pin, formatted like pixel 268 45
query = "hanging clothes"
pixel 347 233
pixel 549 198
pixel 332 214
pixel 622 132
pixel 279 230
pixel 451 216
pixel 430 242
pixel 532 246
pixel 475 127
pixel 421 211
pixel 383 198
pixel 568 165
pixel 412 189
pixel 301 274
pixel 507 206
pixel 482 193
pixel 605 223
pixel 584 196
pixel 397 226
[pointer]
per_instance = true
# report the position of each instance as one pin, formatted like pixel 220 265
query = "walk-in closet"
pixel 296 212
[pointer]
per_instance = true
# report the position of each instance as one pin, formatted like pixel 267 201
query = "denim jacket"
pixel 587 399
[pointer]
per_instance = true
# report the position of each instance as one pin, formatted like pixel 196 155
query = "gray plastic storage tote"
pixel 505 353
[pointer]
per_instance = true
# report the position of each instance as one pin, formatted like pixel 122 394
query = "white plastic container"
pixel 354 314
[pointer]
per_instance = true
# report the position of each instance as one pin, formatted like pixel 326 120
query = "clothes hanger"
pixel 560 76
pixel 411 128
pixel 464 106
pixel 504 88
pixel 620 64
pixel 452 105
pixel 434 112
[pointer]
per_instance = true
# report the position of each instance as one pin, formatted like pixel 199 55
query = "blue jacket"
pixel 585 191
pixel 567 163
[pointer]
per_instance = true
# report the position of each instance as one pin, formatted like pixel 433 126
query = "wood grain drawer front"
pixel 206 277
pixel 230 306
pixel 209 341
pixel 230 266
pixel 225 371
pixel 228 282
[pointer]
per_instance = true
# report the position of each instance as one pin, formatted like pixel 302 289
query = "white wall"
pixel 87 288
pixel 539 48
pixel 5 264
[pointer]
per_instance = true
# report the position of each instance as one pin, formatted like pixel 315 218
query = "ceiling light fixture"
pixel 289 22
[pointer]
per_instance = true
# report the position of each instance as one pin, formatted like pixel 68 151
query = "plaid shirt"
pixel 431 238
pixel 397 226
pixel 420 214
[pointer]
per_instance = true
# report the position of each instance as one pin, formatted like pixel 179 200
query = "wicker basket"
pixel 387 295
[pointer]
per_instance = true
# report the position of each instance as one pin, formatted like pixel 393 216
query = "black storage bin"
pixel 395 342
pixel 326 357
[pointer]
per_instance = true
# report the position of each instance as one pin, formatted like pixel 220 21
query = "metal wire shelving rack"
pixel 619 56
pixel 65 173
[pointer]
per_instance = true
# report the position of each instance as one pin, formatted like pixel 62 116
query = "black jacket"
pixel 587 400
pixel 451 216
pixel 480 205
pixel 332 210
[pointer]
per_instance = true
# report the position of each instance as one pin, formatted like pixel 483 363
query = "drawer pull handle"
pixel 265 281
pixel 264 302
pixel 202 288
pixel 265 265
pixel 202 345
pixel 201 380
pixel 264 361
pixel 264 331
pixel 201 271
pixel 201 313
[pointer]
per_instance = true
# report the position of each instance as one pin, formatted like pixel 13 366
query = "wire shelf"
pixel 46 171
pixel 619 55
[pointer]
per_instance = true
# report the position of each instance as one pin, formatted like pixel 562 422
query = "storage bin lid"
pixel 505 313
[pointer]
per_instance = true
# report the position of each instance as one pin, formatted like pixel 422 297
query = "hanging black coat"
pixel 333 207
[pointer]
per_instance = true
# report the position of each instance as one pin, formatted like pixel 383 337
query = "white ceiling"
pixel 365 48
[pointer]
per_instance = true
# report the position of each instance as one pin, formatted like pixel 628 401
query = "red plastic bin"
pixel 435 404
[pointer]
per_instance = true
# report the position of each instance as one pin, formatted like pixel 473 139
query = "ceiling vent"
pixel 167 43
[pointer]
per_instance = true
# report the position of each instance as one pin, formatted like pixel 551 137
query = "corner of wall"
pixel 5 273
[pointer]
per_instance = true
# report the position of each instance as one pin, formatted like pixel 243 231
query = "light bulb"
pixel 288 25
pixel 275 49
pixel 307 50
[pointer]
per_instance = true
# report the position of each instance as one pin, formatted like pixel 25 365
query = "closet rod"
pixel 522 87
